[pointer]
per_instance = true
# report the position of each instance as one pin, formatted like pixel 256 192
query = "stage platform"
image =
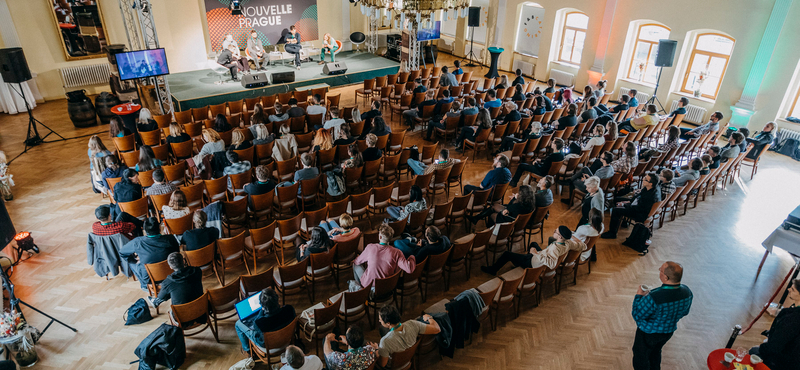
pixel 195 89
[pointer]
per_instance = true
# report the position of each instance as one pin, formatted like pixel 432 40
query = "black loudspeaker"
pixel 282 77
pixel 474 19
pixel 7 230
pixel 253 80
pixel 338 68
pixel 13 66
pixel 666 52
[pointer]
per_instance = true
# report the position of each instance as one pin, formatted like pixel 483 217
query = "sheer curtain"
pixel 10 101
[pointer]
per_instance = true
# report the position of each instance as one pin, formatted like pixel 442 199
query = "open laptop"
pixel 249 306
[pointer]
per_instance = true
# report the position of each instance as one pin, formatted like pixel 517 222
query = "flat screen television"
pixel 142 63
pixel 426 34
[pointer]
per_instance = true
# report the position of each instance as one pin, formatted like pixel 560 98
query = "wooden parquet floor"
pixel 587 326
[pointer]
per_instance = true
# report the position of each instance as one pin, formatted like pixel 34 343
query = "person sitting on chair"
pixel 182 286
pixel 151 248
pixel 448 79
pixel 711 126
pixel 457 70
pixel 641 122
pixel 766 136
pixel 518 80
pixel 638 209
pixel 271 317
pixel 297 360
pixel 540 167
pixel 381 259
pixel 443 162
pixel 316 106
pixel 400 336
pixel 201 235
pixel 433 243
pixel 293 46
pixel 521 203
pixel 256 50
pixel 561 243
pixel 349 351
pixel 125 224
pixel 500 174
pixel 329 46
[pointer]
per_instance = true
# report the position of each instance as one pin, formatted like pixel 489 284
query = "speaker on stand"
pixel 665 56
pixel 474 20
pixel 14 69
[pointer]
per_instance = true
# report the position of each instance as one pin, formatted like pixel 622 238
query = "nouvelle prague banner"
pixel 270 18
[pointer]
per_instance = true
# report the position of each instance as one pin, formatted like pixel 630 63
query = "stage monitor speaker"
pixel 337 68
pixel 282 77
pixel 253 80
pixel 7 230
pixel 474 19
pixel 13 66
pixel 666 52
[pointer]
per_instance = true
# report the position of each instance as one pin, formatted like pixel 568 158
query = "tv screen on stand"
pixel 142 63
pixel 427 34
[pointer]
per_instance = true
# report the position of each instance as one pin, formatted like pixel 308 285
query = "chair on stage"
pixel 219 69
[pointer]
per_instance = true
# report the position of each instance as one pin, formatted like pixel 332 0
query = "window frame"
pixel 636 42
pixel 710 55
pixel 564 35
pixel 794 104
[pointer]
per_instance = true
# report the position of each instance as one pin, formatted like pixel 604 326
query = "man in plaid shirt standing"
pixel 656 313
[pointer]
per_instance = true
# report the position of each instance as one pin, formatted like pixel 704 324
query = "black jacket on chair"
pixel 642 202
pixel 165 346
pixel 783 345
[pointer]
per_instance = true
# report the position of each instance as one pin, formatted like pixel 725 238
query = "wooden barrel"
pixel 103 103
pixel 80 108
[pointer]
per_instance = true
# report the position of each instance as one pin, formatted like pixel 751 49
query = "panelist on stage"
pixel 228 60
pixel 293 46
pixel 330 46
pixel 237 57
pixel 255 50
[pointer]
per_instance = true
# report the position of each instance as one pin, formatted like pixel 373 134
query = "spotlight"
pixel 236 7
pixel 25 243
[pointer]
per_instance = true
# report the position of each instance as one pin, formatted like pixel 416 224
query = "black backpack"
pixel 638 239
pixel 138 313
pixel 164 346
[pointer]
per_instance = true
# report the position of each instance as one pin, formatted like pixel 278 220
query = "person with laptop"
pixel 261 313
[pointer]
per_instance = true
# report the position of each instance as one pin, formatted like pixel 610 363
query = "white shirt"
pixel 584 232
pixel 312 363
pixel 316 109
pixel 597 140
pixel 228 42
pixel 334 124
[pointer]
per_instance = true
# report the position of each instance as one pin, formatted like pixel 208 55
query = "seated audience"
pixel 323 140
pixel 147 159
pixel 350 351
pixel 239 142
pixel 521 203
pixel 562 243
pixel 447 79
pixel 540 167
pixel 665 181
pixel 160 184
pixel 177 134
pixel 732 151
pixel 297 360
pixel 491 100
pixel 766 136
pixel 518 79
pixel 201 235
pixel 433 243
pixel 372 153
pixel 455 111
pixel 379 126
pixel 399 336
pixel 183 285
pixel 482 122
pixel 382 260
pixel 319 242
pixel 221 124
pixel 500 174
pixel 356 159
pixel 146 122
pixel 444 161
pixel 693 173
pixel 151 248
pixel 594 199
pixel 279 115
pixel 780 349
pixel 294 110
pixel 236 165
pixel 107 226
pixel 606 171
pixel 344 137
pixel 316 106
pixel 637 209
pixel 271 317
pixel 177 206
pixel 411 114
pixel 416 203
pixel 113 170
pixel 643 121
pixel 308 171
pixel 543 195
pixel 341 231
pixel 116 128
pixel 593 227
pixel 710 127
pixel 262 135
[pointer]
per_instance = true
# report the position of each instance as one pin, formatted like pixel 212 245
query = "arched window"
pixel 645 47
pixel 529 29
pixel 572 37
pixel 707 64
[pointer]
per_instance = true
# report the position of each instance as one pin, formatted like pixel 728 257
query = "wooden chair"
pixel 536 224
pixel 288 230
pixel 325 321
pixel 346 252
pixel 381 199
pixel 252 284
pixel 309 191
pixel 176 173
pixel 261 206
pixel 488 291
pixel 440 215
pixel 434 271
pixel 131 158
pixel 505 298
pixel 365 91
pixel 178 226
pixel 354 305
pixel 222 301
pixel 261 242
pixel 194 195
pixel 189 317
pixel 383 294
pixel 216 189
pixel 404 360
pixel 136 208
pixel 502 241
pixel 286 199
pixel 183 117
pixel 480 142
pixel 125 144
pixel 290 280
pixel 457 259
pixel 231 250
pixel 402 195
pixel 319 268
pixel 569 267
pixel 551 275
pixel 359 206
pixel 753 162
pixel 234 214
pixel 157 272
pixel 151 138
pixel 408 284
pixel 275 343
pixel 440 183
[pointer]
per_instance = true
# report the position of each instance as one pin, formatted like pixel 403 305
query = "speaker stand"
pixel 33 139
pixel 471 55
pixel 654 99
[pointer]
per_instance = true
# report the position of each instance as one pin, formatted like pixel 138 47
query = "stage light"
pixel 25 242
pixel 236 7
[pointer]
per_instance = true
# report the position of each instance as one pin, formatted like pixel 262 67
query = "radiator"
pixel 562 78
pixel 694 114
pixel 640 96
pixel 525 67
pixel 477 49
pixel 93 74
pixel 785 133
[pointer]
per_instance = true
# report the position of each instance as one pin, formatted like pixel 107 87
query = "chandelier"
pixel 416 12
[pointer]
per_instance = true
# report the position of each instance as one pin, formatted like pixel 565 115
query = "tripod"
pixel 8 285
pixel 654 99
pixel 33 138
pixel 471 55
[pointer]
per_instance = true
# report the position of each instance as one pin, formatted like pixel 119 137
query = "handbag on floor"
pixel 245 364
pixel 638 238
pixel 138 313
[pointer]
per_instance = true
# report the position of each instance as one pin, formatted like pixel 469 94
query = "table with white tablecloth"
pixel 788 240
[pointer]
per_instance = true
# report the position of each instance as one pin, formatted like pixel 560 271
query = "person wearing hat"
pixel 561 243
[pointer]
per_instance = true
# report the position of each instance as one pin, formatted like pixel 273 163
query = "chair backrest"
pixel 231 246
pixel 252 284
pixel 187 312
pixel 136 208
pixel 275 341
pixel 158 271
pixel 224 299
pixel 398 226
pixel 385 286
pixel 488 295
pixel 322 260
pixel 355 299
pixel 289 229
pixel 461 247
pixel 323 316
pixel 404 359
pixel 178 226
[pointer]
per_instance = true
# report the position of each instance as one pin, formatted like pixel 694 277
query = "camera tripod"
pixel 471 57
pixel 15 303
pixel 33 138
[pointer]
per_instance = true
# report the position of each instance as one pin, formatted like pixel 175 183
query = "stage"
pixel 195 89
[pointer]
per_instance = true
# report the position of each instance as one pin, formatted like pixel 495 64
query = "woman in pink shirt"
pixel 344 230
pixel 382 259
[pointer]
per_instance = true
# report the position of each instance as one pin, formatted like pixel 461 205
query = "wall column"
pixel 10 101
pixel 596 72
pixel 745 107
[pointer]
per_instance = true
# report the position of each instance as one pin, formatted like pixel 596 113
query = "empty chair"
pixel 354 305
pixel 231 251
pixel 290 279
pixel 252 284
pixel 222 302
pixel 320 268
